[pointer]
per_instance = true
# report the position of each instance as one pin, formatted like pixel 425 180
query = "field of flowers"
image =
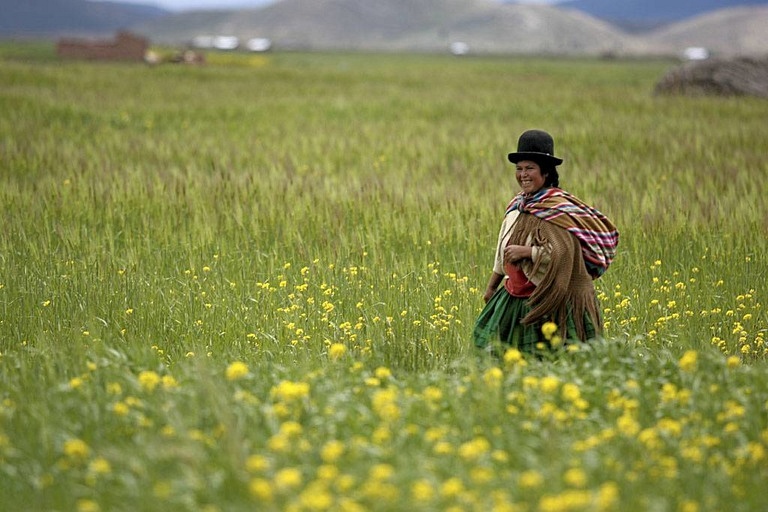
pixel 251 285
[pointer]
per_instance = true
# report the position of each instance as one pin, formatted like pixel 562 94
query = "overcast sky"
pixel 185 5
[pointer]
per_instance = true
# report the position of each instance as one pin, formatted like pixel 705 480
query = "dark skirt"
pixel 499 326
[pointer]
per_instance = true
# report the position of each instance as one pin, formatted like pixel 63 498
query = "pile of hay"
pixel 742 76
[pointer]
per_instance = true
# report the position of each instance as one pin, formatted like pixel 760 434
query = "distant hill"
pixel 424 25
pixel 727 32
pixel 486 26
pixel 640 15
pixel 49 18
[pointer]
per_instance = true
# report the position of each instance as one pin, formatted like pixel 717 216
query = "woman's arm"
pixel 493 283
pixel 513 253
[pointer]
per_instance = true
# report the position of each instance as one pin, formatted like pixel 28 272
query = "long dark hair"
pixel 552 178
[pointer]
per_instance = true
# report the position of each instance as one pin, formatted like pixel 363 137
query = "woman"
pixel 551 246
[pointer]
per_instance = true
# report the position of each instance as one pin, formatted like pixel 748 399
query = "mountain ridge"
pixel 51 18
pixel 432 25
pixel 640 15
pixel 486 26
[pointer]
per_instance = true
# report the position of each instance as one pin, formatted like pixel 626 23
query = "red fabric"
pixel 517 284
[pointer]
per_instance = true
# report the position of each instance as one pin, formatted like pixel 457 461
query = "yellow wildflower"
pixel 327 472
pixel 332 450
pixel 121 409
pixel 549 384
pixel 337 351
pixel 422 490
pixel 260 489
pixel 566 500
pixel 513 357
pixel 289 391
pixel 493 377
pixel 149 380
pixel 549 329
pixel 688 361
pixel 530 479
pixel 100 466
pixel 236 370
pixel 433 394
pixel 76 449
pixel 288 478
pixel 86 505
pixel 472 450
pixel 608 496
pixel 570 392
pixel 575 477
pixel 627 425
pixel 452 487
pixel 256 463
pixel 316 496
pixel 384 402
pixel 381 472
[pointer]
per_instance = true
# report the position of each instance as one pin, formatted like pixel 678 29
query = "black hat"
pixel 536 145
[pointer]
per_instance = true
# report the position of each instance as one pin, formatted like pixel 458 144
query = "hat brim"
pixel 536 157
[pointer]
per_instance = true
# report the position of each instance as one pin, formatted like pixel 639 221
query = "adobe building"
pixel 125 47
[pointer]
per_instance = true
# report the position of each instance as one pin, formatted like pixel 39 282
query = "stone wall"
pixel 125 47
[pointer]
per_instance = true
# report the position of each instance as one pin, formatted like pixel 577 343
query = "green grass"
pixel 251 285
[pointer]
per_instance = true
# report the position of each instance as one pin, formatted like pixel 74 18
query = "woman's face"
pixel 529 176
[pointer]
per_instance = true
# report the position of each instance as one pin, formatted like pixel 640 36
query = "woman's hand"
pixel 513 253
pixel 493 283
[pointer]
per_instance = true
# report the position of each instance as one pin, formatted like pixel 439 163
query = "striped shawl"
pixel 597 235
pixel 582 243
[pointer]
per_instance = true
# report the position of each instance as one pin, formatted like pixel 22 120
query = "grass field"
pixel 250 286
